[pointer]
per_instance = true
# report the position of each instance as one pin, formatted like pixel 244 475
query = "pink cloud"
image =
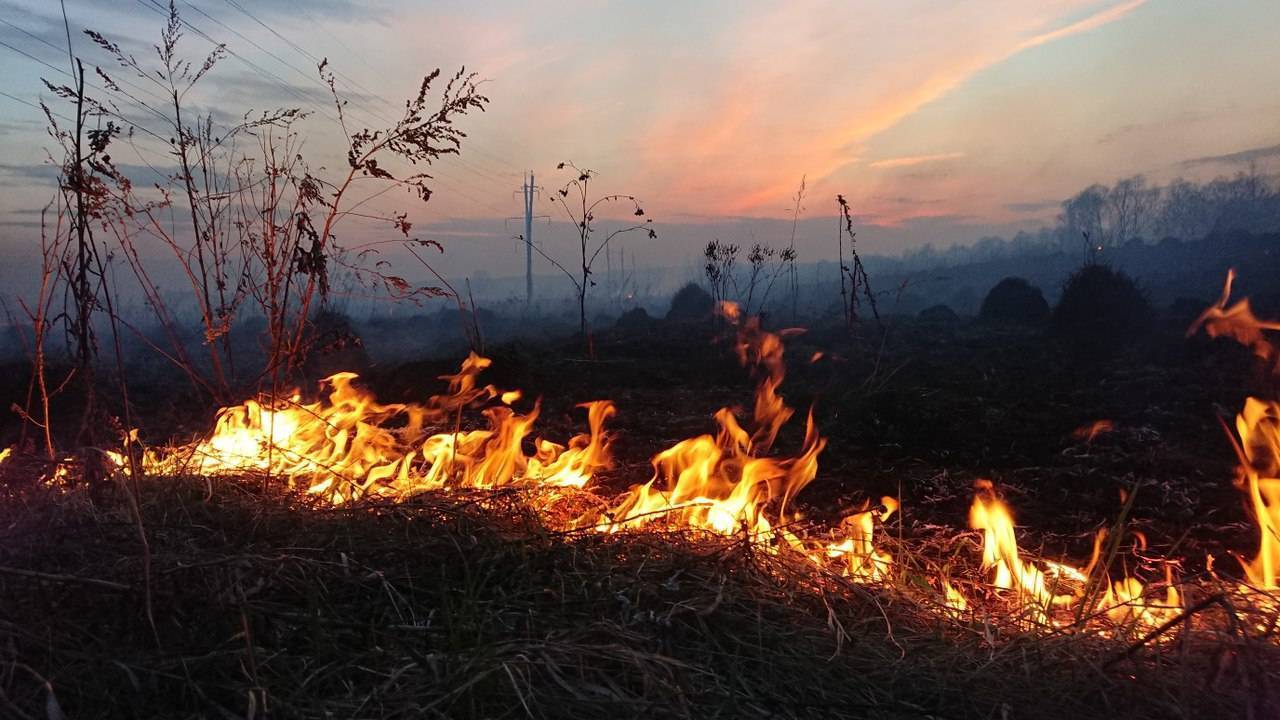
pixel 816 85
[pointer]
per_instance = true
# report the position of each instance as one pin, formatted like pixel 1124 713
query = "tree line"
pixel 1131 210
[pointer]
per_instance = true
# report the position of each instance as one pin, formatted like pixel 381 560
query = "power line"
pixel 67 50
pixel 154 6
pixel 63 71
pixel 302 51
pixel 370 93
pixel 32 105
pixel 285 84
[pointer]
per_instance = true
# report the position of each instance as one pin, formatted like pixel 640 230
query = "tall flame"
pixel 724 483
pixel 1258 427
pixel 1000 549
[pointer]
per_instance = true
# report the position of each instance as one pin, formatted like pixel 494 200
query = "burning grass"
pixel 357 558
pixel 468 605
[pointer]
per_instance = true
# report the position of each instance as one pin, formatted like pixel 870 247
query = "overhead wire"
pixel 266 74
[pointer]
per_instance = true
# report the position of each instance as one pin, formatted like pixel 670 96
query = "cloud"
pixel 347 10
pixel 910 160
pixel 1243 157
pixel 20 175
pixel 1034 206
pixel 254 89
pixel 1092 22
pixel 755 120
pixel 30 171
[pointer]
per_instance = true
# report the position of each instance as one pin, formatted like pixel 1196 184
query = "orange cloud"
pixel 791 107
pixel 910 160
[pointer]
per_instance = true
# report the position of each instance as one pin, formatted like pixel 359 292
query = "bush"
pixel 1101 311
pixel 334 347
pixel 691 304
pixel 939 314
pixel 1014 300
pixel 634 321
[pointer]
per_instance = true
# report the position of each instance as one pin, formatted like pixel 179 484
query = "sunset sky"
pixel 941 121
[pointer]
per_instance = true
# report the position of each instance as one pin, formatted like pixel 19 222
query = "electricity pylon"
pixel 529 190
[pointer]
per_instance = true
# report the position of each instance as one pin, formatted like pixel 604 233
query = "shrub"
pixel 634 321
pixel 1014 300
pixel 939 314
pixel 334 347
pixel 1101 311
pixel 691 304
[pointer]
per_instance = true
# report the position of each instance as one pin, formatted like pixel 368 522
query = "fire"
pixel 733 482
pixel 952 598
pixel 1236 322
pixel 1089 433
pixel 1259 428
pixel 1000 551
pixel 349 445
pixel 862 560
pixel 1258 431
pixel 725 484
pixel 1127 603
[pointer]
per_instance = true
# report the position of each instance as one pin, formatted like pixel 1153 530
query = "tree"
pixel 1185 211
pixel 1081 215
pixel 1129 208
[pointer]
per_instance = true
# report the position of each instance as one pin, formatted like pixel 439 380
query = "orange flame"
pixel 1236 322
pixel 350 445
pixel 347 446
pixel 724 483
pixel 862 560
pixel 1000 550
pixel 1258 427
pixel 1090 432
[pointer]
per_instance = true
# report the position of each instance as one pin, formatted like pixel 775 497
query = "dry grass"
pixel 453 606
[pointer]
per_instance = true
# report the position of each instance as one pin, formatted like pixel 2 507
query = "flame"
pixel 732 482
pixel 1090 432
pixel 1000 551
pixel 726 484
pixel 1127 602
pixel 1259 427
pixel 952 598
pixel 349 445
pixel 1236 322
pixel 862 560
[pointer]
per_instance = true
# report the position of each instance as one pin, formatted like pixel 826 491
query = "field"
pixel 266 602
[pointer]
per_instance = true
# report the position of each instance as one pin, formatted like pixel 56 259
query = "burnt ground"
pixel 467 608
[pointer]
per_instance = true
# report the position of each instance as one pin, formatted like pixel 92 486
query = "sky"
pixel 940 121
